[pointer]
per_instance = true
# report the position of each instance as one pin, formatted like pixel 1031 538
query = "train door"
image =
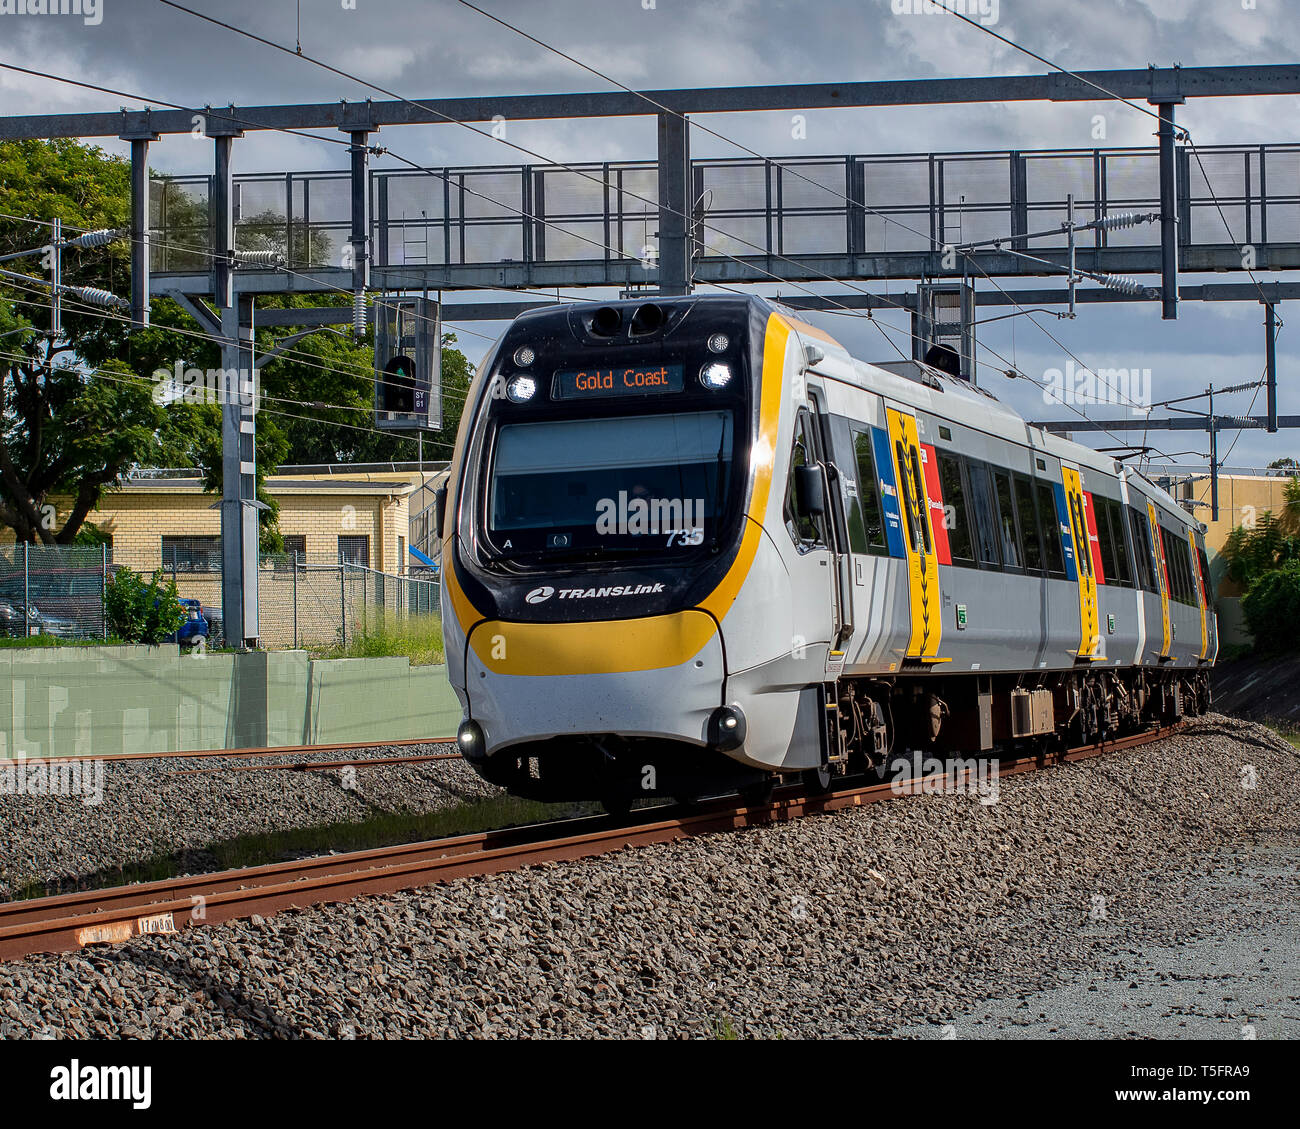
pixel 838 535
pixel 1202 597
pixel 918 537
pixel 1162 581
pixel 1211 619
pixel 815 601
pixel 1089 619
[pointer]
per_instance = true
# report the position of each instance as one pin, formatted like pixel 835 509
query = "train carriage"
pixel 690 545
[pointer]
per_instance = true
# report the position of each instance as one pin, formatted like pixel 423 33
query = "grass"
pixel 21 642
pixel 419 638
pixel 382 829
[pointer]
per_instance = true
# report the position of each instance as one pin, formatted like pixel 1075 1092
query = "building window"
pixel 355 550
pixel 401 555
pixel 191 554
pixel 296 543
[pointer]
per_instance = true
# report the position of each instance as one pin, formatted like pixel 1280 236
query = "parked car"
pixel 18 620
pixel 194 628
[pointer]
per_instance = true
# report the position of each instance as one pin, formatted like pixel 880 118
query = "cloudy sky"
pixel 435 48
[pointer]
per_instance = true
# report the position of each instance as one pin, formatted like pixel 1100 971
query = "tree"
pixel 142 613
pixel 78 411
pixel 1271 542
pixel 65 432
pixel 1272 609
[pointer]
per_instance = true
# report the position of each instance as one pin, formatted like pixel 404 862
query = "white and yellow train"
pixel 691 545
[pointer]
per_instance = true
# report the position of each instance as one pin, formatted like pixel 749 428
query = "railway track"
pixel 68 922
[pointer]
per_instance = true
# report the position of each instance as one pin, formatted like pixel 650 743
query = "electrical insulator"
pixel 259 258
pixel 99 238
pixel 1120 282
pixel 359 313
pixel 1124 219
pixel 93 296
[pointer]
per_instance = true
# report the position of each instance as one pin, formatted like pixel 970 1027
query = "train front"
pixel 594 520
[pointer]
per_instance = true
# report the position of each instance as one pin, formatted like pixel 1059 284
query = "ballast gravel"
pixel 139 810
pixel 896 917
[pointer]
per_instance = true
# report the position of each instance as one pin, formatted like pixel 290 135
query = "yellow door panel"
pixel 1089 625
pixel 918 536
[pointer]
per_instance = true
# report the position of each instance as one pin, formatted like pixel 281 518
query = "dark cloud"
pixel 429 48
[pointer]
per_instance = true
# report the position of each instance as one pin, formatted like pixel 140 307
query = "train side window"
pixel 1177 580
pixel 1029 534
pixel 1145 570
pixel 983 514
pixel 1115 518
pixel 806 530
pixel 1105 538
pixel 1179 545
pixel 956 514
pixel 1049 525
pixel 870 534
pixel 1012 556
pixel 1204 562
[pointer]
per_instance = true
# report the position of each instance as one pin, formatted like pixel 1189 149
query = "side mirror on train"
pixel 808 490
pixel 439 507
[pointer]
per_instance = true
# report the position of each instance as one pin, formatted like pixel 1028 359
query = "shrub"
pixel 139 612
pixel 1272 609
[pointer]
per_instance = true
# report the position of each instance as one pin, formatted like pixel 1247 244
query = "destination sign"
pixel 638 380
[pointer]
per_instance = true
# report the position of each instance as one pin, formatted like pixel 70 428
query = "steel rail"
pixel 70 922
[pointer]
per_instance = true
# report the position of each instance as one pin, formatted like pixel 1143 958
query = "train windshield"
pixel 645 484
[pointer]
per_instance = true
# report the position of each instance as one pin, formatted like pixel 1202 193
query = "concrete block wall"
pixel 107 701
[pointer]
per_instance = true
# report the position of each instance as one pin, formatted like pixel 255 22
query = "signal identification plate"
pixel 595 383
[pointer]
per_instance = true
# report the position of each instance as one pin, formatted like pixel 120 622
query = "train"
pixel 691 546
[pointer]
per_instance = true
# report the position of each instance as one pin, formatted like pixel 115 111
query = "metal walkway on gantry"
pixel 801 217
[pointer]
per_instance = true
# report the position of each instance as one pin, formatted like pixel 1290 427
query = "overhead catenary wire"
pixel 345 74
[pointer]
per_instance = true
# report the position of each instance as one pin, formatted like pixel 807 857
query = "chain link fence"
pixel 312 602
pixel 316 603
pixel 53 590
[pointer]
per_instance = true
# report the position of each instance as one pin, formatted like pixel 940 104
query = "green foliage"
pixel 77 412
pixel 1251 553
pixel 1272 609
pixel 92 536
pixel 65 433
pixel 142 613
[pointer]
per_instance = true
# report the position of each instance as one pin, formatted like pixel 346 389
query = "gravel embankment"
pixel 165 805
pixel 895 917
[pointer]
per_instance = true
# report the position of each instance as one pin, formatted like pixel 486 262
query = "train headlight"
pixel 470 740
pixel 524 356
pixel 718 343
pixel 521 389
pixel 726 728
pixel 715 375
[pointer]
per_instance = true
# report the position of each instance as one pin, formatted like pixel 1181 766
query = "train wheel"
pixel 817 780
pixel 756 795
